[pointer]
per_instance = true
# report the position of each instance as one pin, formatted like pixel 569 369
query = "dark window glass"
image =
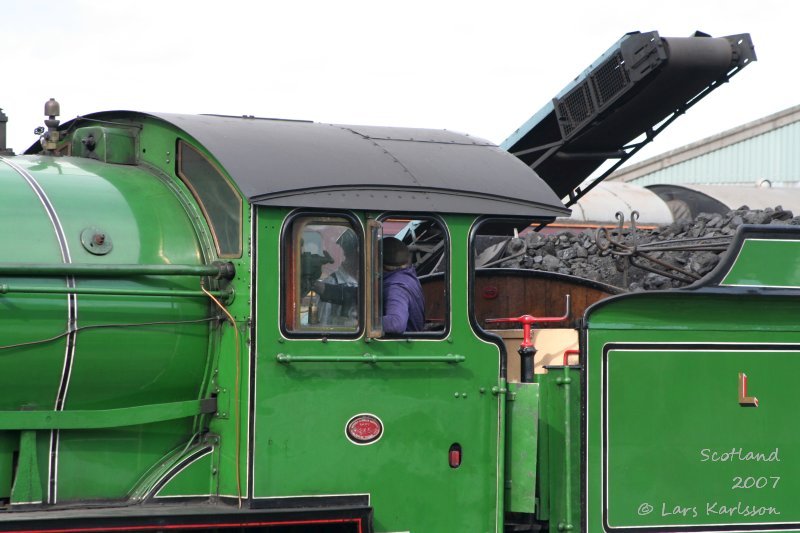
pixel 219 201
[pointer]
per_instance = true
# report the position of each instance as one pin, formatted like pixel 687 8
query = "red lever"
pixel 527 321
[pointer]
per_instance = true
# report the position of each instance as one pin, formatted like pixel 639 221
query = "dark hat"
pixel 395 253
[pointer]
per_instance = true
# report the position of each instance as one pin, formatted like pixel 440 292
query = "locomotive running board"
pixel 187 517
pixel 628 95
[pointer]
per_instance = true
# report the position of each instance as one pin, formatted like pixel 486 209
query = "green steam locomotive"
pixel 169 360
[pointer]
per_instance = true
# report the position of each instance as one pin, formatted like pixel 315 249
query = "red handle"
pixel 527 321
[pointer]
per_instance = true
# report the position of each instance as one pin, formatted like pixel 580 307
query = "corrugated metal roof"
pixel 736 196
pixel 759 150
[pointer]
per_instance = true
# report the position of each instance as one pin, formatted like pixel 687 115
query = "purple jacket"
pixel 403 303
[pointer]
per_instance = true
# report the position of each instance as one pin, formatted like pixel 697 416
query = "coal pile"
pixel 681 252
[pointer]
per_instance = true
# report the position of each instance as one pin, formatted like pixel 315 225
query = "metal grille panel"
pixel 575 108
pixel 610 79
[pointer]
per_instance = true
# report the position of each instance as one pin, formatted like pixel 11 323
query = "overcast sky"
pixel 475 67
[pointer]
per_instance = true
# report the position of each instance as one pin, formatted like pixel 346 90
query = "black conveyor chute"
pixel 638 87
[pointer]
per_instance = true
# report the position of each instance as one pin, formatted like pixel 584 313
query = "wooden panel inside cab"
pixel 511 293
pixel 503 293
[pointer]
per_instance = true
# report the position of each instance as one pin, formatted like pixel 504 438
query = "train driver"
pixel 403 302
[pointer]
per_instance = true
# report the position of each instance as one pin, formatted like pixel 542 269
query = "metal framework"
pixel 637 88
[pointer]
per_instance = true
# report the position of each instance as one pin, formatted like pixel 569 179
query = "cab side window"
pixel 322 276
pixel 217 198
pixel 415 264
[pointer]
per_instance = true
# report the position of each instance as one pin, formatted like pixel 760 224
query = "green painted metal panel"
pixel 766 263
pixel 426 406
pixel 522 431
pixel 126 366
pixel 664 422
pixel 678 312
pixel 132 348
pixel 27 486
pixel 560 401
pixel 35 242
pixel 226 370
pixel 695 455
pixel 110 145
pixel 197 479
pixel 86 457
pixel 101 418
pixel 122 364
pixel 9 443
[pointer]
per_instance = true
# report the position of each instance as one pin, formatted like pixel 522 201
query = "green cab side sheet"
pixel 301 411
pixel 692 423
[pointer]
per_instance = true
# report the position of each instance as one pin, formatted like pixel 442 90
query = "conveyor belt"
pixel 637 88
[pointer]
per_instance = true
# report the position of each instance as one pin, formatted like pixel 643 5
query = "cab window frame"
pixel 446 277
pixel 190 183
pixel 289 272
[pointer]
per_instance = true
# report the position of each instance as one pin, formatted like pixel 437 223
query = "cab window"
pixel 415 263
pixel 322 276
pixel 217 198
